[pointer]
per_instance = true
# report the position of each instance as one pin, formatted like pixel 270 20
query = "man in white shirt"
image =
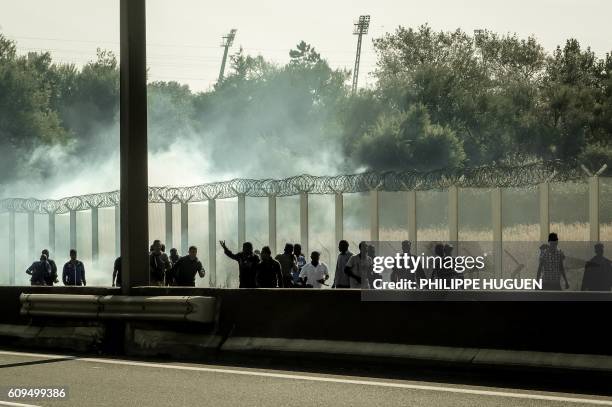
pixel 315 273
pixel 359 268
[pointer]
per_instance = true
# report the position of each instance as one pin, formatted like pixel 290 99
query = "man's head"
pixel 371 251
pixel 406 246
pixel 193 252
pixel 288 248
pixel 163 248
pixel 266 253
pixel 156 247
pixel 297 249
pixel 73 254
pixel 314 257
pixel 599 249
pixel 553 240
pixel 343 246
pixel 448 249
pixel 363 248
pixel 247 248
pixel 173 252
pixel 46 252
pixel 43 257
pixel 439 249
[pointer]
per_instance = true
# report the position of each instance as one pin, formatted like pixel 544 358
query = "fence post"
pixel 241 220
pixel 453 215
pixel 304 222
pixel 31 237
pixel 594 209
pixel 412 219
pixel 374 215
pixel 52 233
pixel 497 223
pixel 12 247
pixel 95 242
pixel 184 228
pixel 339 216
pixel 544 189
pixel 169 227
pixel 212 242
pixel 73 230
pixel 272 223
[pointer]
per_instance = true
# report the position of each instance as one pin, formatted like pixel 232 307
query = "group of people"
pixel 44 271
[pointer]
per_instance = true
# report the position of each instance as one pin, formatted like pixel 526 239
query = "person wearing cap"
pixel 550 269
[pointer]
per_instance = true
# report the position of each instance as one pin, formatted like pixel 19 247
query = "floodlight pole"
pixel 226 42
pixel 361 28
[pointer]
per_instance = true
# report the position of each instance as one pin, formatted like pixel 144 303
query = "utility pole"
pixel 226 42
pixel 361 28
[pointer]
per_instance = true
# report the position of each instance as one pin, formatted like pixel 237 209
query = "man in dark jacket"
pixel 159 265
pixel 187 267
pixel 52 277
pixel 74 271
pixel 268 271
pixel 247 261
pixel 40 271
pixel 288 264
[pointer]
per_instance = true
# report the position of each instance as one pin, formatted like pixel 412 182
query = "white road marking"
pixel 458 390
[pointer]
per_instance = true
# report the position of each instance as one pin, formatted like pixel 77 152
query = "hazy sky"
pixel 184 35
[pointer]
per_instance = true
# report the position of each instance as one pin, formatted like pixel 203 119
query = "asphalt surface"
pixel 120 382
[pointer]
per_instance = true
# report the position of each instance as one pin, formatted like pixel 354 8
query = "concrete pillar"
pixel 134 193
pixel 168 212
pixel 594 209
pixel 272 224
pixel 339 217
pixel 544 189
pixel 95 236
pixel 212 242
pixel 73 230
pixel 412 219
pixel 117 231
pixel 12 248
pixel 304 223
pixel 374 215
pixel 241 220
pixel 184 228
pixel 31 237
pixel 497 223
pixel 453 215
pixel 52 234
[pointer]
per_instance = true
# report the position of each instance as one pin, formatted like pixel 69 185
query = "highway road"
pixel 119 382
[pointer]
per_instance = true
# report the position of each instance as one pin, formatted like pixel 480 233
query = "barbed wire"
pixel 503 176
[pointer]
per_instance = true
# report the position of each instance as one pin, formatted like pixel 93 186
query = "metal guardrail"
pixel 161 308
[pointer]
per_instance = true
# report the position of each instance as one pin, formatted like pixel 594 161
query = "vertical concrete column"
pixel 241 220
pixel 31 237
pixel 184 228
pixel 304 222
pixel 134 193
pixel 374 215
pixel 73 230
pixel 168 212
pixel 12 247
pixel 339 217
pixel 95 236
pixel 52 233
pixel 272 224
pixel 117 231
pixel 453 215
pixel 497 223
pixel 594 209
pixel 212 242
pixel 412 218
pixel 544 189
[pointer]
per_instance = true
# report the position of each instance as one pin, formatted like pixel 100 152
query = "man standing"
pixel 288 265
pixel 597 272
pixel 399 274
pixel 268 272
pixel 52 276
pixel 300 261
pixel 341 279
pixel 40 271
pixel 551 267
pixel 359 267
pixel 315 273
pixel 187 267
pixel 158 265
pixel 117 272
pixel 246 264
pixel 74 271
